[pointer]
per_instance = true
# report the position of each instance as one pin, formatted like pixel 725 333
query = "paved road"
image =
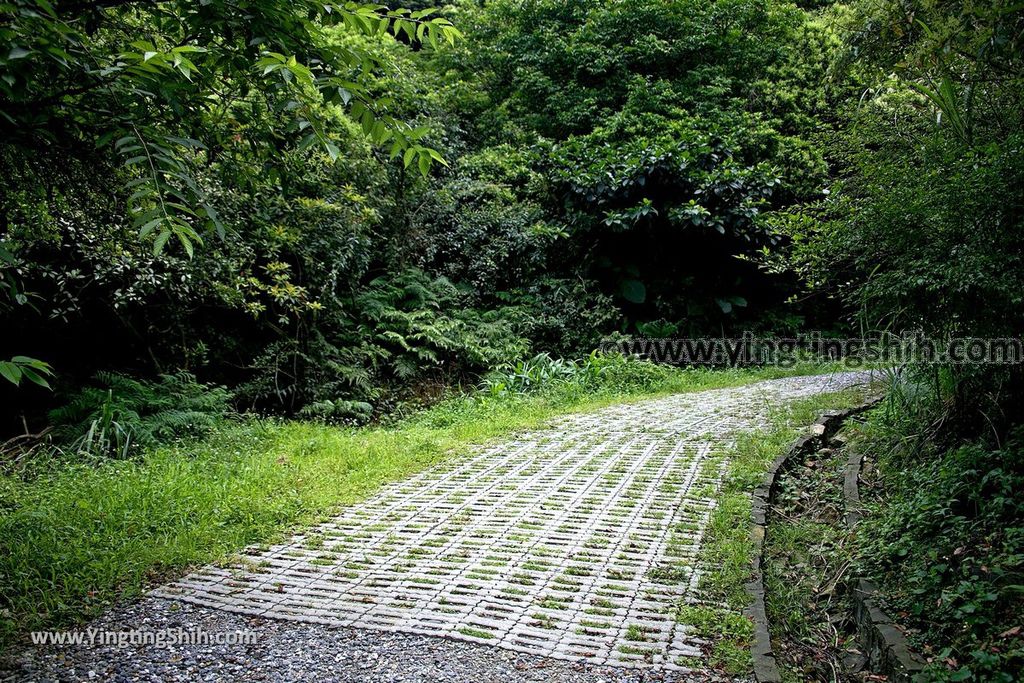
pixel 552 546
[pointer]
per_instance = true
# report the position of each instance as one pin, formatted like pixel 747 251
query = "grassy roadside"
pixel 77 536
pixel 943 535
pixel 728 551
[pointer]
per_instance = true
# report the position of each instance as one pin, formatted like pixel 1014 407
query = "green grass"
pixel 807 555
pixel 728 550
pixel 475 632
pixel 732 635
pixel 636 633
pixel 77 536
pixel 796 542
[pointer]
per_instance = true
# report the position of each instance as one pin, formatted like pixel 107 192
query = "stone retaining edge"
pixel 886 647
pixel 766 668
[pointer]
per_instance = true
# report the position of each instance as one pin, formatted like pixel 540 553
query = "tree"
pixel 168 86
pixel 664 130
pixel 152 95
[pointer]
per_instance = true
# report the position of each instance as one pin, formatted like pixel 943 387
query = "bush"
pixel 338 411
pixel 597 373
pixel 618 373
pixel 948 545
pixel 397 331
pixel 121 415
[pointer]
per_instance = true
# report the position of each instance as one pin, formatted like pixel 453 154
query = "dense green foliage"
pixel 945 537
pixel 666 129
pixel 922 231
pixel 606 163
pixel 960 537
pixel 164 87
pixel 343 212
pixel 922 228
pixel 122 415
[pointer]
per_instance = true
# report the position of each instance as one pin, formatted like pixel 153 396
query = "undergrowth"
pixel 118 415
pixel 807 556
pixel 945 541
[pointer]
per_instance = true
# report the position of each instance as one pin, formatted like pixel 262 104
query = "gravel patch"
pixel 287 651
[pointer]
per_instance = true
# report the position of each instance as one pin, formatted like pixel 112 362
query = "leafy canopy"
pixel 168 86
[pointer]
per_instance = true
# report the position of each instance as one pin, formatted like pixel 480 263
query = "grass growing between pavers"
pixel 76 536
pixel 727 551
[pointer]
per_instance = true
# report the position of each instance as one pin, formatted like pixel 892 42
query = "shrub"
pixel 338 411
pixel 597 373
pixel 948 545
pixel 398 330
pixel 120 415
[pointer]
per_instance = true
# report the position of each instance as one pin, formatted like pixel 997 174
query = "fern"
pixel 338 411
pixel 402 328
pixel 119 415
pixel 596 373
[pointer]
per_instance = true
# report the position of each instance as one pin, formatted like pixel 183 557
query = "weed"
pixel 475 632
